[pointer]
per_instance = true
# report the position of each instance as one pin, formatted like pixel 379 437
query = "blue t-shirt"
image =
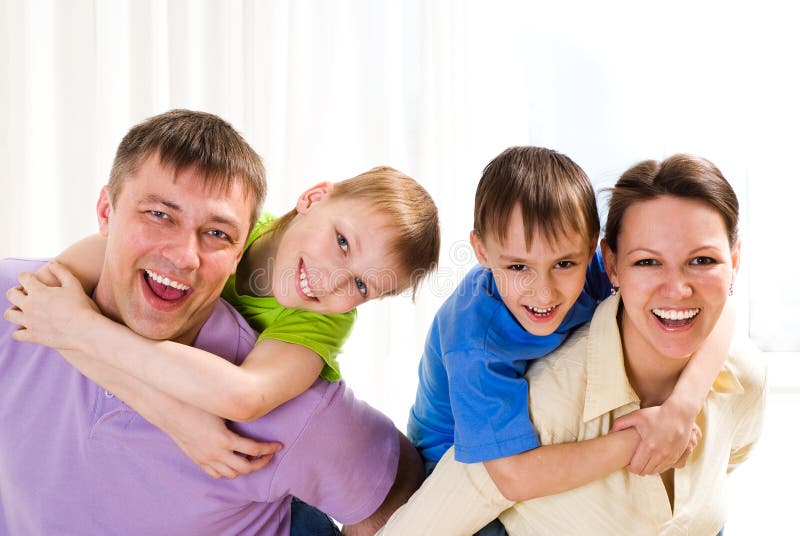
pixel 472 391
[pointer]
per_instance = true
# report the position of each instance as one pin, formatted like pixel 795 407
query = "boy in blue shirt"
pixel 540 277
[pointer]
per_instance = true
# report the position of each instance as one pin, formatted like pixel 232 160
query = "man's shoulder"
pixel 11 267
pixel 226 333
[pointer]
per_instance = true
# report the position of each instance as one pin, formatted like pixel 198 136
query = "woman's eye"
pixel 702 261
pixel 517 267
pixel 362 287
pixel 342 241
pixel 646 262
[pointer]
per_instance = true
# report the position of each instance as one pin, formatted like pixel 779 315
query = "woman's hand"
pixel 206 440
pixel 666 432
pixel 53 316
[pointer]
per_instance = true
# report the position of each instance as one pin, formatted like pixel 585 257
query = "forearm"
pixel 691 390
pixel 189 374
pixel 554 469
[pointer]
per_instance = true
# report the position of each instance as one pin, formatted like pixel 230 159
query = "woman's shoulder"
pixel 748 365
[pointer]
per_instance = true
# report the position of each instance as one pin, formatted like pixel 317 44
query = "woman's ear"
pixel 313 195
pixel 610 262
pixel 735 252
pixel 479 249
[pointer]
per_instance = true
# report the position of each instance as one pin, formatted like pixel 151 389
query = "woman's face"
pixel 674 267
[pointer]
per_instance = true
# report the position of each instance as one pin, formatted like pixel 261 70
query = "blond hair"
pixel 414 219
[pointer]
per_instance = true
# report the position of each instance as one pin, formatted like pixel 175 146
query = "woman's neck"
pixel 652 375
pixel 255 270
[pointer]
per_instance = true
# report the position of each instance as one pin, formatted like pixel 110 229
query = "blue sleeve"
pixel 489 397
pixel 597 284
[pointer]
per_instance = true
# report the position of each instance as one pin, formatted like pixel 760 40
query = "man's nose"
pixel 183 252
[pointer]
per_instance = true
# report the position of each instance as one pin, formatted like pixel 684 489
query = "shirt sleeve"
pixel 457 498
pixel 324 334
pixel 345 460
pixel 748 429
pixel 489 397
pixel 597 284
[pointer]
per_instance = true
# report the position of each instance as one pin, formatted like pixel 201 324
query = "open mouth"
pixel 165 288
pixel 302 282
pixel 675 318
pixel 542 314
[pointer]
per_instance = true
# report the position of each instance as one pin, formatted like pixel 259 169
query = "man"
pixel 75 459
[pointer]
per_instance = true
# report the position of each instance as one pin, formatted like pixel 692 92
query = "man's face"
pixel 172 243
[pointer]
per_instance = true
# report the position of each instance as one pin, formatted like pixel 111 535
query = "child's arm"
pixel 551 469
pixel 665 429
pixel 273 373
pixel 84 259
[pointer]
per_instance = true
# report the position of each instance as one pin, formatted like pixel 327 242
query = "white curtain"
pixel 326 89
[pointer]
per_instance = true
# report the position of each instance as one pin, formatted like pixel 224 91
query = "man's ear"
pixel 313 195
pixel 610 261
pixel 479 249
pixel 104 210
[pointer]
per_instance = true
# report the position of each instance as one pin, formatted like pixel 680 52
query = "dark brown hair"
pixel 185 138
pixel 680 175
pixel 554 193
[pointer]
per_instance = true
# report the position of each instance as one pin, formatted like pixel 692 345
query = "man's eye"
pixel 702 261
pixel 159 214
pixel 646 262
pixel 342 241
pixel 517 267
pixel 216 233
pixel 362 287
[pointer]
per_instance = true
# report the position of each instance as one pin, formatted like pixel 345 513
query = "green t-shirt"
pixel 324 334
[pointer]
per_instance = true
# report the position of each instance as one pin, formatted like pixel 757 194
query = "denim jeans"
pixel 308 521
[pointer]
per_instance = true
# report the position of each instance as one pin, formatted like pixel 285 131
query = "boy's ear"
pixel 104 210
pixel 479 249
pixel 610 261
pixel 312 195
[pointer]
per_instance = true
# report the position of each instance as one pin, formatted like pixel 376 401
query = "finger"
pixel 30 282
pixel 223 469
pixel 253 448
pixel 639 460
pixel 626 421
pixel 64 276
pixel 16 295
pixel 13 315
pixel 210 471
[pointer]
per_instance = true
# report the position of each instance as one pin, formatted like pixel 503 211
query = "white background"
pixel 326 89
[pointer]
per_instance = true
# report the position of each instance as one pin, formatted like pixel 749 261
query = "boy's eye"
pixel 517 267
pixel 342 241
pixel 646 262
pixel 362 287
pixel 564 264
pixel 702 261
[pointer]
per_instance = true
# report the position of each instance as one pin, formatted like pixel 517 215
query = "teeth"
pixel 676 315
pixel 541 310
pixel 304 284
pixel 165 280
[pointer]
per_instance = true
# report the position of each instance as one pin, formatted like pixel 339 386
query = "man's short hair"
pixel 185 138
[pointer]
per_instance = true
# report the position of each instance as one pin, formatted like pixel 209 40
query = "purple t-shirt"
pixel 74 459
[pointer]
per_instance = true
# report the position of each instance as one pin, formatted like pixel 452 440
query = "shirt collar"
pixel 607 386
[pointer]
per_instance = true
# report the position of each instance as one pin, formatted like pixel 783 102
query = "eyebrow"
pixel 521 260
pixel 692 252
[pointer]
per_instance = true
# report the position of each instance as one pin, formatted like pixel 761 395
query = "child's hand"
pixel 53 316
pixel 665 433
pixel 206 440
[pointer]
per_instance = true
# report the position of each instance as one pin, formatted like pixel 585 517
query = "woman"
pixel 671 251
